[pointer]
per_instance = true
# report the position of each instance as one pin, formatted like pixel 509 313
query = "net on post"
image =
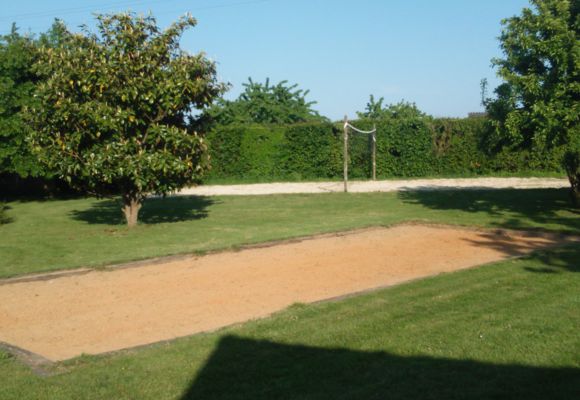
pixel 371 146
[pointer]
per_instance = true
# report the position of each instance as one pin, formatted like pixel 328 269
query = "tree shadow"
pixel 154 210
pixel 557 260
pixel 241 368
pixel 515 246
pixel 512 208
pixel 556 252
pixel 5 219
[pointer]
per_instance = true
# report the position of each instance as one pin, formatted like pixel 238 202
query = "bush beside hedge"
pixel 405 148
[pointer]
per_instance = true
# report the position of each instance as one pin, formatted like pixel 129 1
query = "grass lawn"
pixel 60 234
pixel 497 174
pixel 503 331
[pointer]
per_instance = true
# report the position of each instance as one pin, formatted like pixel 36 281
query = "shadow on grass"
pixel 515 246
pixel 5 219
pixel 554 255
pixel 154 210
pixel 558 260
pixel 241 368
pixel 514 209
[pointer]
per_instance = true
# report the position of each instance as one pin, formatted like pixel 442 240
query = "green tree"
pixel 263 103
pixel 112 109
pixel 17 54
pixel 538 106
pixel 401 110
pixel 17 82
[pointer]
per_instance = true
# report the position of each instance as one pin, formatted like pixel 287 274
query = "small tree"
pixel 111 115
pixel 538 106
pixel 263 103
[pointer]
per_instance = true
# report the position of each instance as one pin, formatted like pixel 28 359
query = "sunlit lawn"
pixel 61 234
pixel 502 331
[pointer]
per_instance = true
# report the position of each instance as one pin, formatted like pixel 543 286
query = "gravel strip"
pixel 376 186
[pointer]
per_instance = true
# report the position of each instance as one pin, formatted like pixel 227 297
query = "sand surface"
pixel 101 311
pixel 376 186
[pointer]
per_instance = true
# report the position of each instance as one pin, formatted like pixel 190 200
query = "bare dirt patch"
pixel 100 311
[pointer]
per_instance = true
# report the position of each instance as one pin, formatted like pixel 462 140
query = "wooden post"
pixel 374 138
pixel 345 154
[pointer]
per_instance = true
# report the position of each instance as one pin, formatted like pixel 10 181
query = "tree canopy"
pixel 18 53
pixel 538 105
pixel 375 109
pixel 112 109
pixel 264 103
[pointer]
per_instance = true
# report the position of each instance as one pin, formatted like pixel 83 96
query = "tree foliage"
pixel 18 53
pixel 112 109
pixel 401 110
pixel 263 103
pixel 538 105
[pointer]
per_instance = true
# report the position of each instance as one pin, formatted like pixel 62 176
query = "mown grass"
pixel 502 331
pixel 253 179
pixel 60 234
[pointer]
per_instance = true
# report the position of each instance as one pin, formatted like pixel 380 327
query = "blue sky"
pixel 433 53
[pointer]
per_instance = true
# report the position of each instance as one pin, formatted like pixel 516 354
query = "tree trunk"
pixel 572 167
pixel 575 192
pixel 131 206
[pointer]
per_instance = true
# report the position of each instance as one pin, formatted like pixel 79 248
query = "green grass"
pixel 60 234
pixel 502 331
pixel 250 179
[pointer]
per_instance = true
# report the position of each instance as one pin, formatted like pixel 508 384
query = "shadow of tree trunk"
pixel 154 211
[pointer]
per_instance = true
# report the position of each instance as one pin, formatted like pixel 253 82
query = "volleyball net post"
pixel 373 135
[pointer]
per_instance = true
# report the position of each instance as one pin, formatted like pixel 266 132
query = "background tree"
pixel 263 103
pixel 538 106
pixel 111 112
pixel 18 53
pixel 401 110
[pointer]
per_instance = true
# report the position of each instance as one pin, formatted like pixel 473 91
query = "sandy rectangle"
pixel 103 311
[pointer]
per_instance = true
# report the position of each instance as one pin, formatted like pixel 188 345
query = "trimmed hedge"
pixel 405 148
pixel 311 150
pixel 456 145
pixel 250 151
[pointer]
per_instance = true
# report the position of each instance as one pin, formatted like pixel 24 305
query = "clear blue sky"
pixel 433 53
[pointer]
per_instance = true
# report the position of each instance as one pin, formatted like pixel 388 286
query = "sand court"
pixel 106 310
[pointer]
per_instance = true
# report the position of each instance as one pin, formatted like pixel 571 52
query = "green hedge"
pixel 245 151
pixel 405 148
pixel 311 150
pixel 456 146
pixel 459 146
